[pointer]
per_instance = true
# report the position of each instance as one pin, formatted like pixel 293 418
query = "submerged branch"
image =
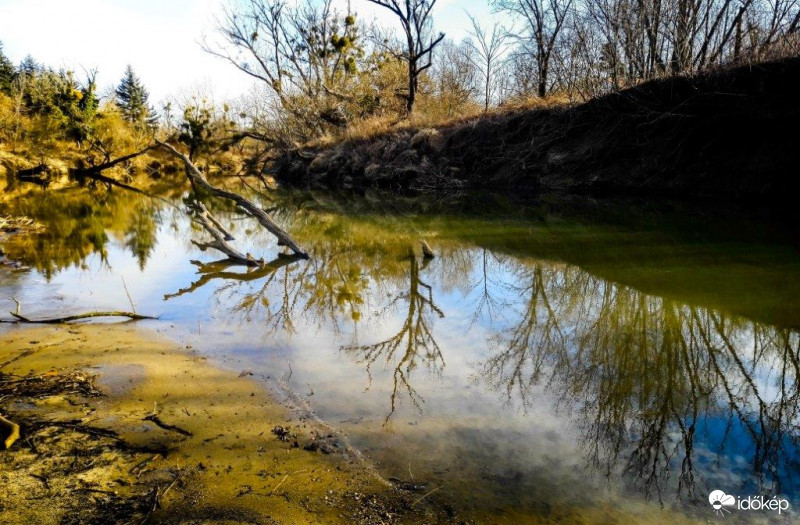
pixel 220 242
pixel 59 320
pixel 259 214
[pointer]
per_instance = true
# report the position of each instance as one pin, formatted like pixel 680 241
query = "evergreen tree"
pixel 7 72
pixel 132 100
pixel 29 67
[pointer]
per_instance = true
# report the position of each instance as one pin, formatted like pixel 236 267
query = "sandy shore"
pixel 135 428
pixel 119 425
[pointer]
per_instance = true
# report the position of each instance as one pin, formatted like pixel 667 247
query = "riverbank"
pixel 729 134
pixel 120 426
pixel 117 423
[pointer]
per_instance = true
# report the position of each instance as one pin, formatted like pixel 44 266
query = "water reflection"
pixel 81 224
pixel 651 380
pixel 221 270
pixel 413 345
pixel 638 341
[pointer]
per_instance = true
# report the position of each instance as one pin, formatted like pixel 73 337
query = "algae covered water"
pixel 553 360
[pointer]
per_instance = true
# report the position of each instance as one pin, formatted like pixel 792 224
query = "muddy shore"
pixel 118 426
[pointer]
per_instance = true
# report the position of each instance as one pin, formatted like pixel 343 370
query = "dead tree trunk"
pixel 96 173
pixel 219 242
pixel 93 170
pixel 260 215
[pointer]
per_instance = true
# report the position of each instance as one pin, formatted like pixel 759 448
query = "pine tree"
pixel 7 72
pixel 29 67
pixel 132 100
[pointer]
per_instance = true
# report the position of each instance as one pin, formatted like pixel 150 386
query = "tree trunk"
pixel 260 215
pixel 412 86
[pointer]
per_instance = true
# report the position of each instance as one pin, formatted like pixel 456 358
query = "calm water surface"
pixel 563 355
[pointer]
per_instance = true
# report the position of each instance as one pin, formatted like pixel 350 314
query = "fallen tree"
pixel 199 180
pixel 209 224
pixel 93 171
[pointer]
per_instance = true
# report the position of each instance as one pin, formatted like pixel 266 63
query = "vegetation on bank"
pixel 725 134
pixel 329 75
pixel 52 121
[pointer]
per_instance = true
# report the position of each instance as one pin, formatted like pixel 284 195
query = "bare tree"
pixel 489 48
pixel 454 77
pixel 414 16
pixel 304 53
pixel 543 22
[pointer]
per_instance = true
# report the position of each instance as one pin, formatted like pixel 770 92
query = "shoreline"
pixel 213 444
pixel 149 431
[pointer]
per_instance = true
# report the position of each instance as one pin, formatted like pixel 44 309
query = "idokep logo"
pixel 724 503
pixel 721 502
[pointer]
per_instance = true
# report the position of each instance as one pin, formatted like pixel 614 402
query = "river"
pixel 557 355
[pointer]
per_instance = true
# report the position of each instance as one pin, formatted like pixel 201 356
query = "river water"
pixel 555 359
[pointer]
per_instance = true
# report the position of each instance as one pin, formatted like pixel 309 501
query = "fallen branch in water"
pixel 88 315
pixel 259 214
pixel 218 225
pixel 96 173
pixel 219 243
pixel 93 171
pixel 60 320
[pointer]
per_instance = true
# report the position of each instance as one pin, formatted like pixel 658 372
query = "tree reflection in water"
pixel 80 224
pixel 651 380
pixel 664 391
pixel 412 345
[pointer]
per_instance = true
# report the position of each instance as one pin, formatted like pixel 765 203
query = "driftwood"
pixel 219 242
pixel 96 173
pixel 60 320
pixel 94 170
pixel 218 225
pixel 158 422
pixel 9 432
pixel 197 178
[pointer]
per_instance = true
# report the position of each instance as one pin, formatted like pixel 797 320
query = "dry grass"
pixel 371 128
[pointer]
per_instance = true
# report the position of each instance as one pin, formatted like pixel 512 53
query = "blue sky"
pixel 159 38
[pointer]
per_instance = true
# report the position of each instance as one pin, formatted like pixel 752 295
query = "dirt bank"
pixel 730 134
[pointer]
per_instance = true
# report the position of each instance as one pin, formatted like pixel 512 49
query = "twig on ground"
pixel 426 495
pixel 166 426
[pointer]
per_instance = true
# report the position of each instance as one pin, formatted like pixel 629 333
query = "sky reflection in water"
pixel 534 363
